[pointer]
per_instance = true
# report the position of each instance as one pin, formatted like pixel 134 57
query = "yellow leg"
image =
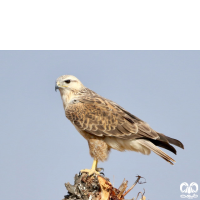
pixel 94 164
pixel 93 169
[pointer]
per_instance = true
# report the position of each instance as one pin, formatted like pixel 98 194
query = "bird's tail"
pixel 156 150
pixel 174 141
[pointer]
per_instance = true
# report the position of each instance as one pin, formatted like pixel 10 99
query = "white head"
pixel 68 83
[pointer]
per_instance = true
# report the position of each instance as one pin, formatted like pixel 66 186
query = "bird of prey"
pixel 106 125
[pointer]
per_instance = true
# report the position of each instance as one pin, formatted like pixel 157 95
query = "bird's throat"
pixel 67 96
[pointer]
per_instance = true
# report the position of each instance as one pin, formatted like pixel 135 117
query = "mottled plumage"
pixel 102 121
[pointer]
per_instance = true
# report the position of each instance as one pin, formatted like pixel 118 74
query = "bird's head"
pixel 67 83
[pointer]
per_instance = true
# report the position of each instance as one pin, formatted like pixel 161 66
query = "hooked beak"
pixel 56 87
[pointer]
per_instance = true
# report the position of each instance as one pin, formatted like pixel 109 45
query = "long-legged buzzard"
pixel 106 125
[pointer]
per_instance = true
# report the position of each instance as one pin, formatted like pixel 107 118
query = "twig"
pixel 132 186
pixel 122 188
pixel 141 194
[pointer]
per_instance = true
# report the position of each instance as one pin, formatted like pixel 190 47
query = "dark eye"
pixel 67 81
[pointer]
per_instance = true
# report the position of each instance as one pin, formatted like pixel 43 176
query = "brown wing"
pixel 103 117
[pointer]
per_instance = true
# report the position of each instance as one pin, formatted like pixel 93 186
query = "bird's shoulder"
pixel 88 102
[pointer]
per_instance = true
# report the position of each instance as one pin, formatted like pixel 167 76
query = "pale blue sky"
pixel 40 148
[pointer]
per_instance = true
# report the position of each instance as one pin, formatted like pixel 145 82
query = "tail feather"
pixel 156 150
pixel 164 145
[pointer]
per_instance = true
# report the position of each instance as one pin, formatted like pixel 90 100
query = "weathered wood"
pixel 96 187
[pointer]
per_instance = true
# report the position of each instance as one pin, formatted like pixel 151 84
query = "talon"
pixel 100 169
pixel 90 171
pixel 102 173
pixel 94 169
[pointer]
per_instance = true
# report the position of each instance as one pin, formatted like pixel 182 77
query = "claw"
pixel 90 171
pixel 93 170
pixel 102 173
pixel 100 169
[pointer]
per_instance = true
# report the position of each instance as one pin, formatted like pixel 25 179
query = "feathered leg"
pixel 99 150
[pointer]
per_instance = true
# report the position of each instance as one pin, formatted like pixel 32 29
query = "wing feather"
pixel 103 117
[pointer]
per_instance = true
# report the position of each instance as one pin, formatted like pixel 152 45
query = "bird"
pixel 106 125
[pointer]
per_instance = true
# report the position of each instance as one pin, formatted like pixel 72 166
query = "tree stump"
pixel 97 187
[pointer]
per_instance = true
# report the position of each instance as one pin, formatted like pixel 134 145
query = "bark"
pixel 97 187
